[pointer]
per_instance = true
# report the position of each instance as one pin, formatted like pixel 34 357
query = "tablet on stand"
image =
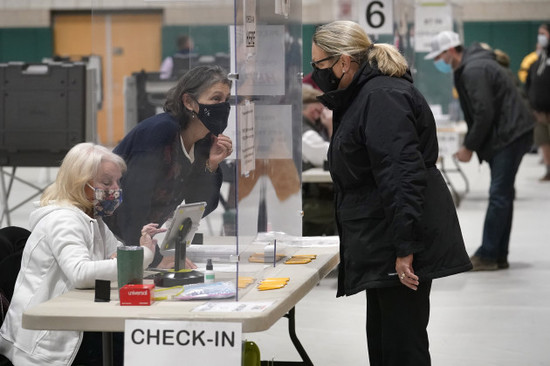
pixel 179 236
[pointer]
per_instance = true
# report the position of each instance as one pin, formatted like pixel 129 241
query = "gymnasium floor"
pixel 499 318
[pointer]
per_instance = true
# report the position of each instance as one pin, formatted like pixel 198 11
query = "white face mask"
pixel 542 40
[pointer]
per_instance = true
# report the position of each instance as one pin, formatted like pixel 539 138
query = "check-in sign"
pixel 154 342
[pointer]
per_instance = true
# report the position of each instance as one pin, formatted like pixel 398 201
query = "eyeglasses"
pixel 314 63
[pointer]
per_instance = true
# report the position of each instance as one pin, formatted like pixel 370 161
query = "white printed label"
pixel 154 342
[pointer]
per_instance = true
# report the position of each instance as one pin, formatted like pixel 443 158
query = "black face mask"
pixel 214 116
pixel 325 78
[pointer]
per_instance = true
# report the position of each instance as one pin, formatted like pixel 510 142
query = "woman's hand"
pixel 221 148
pixel 405 272
pixel 147 233
pixel 463 154
pixel 326 120
pixel 169 263
pixel 166 263
pixel 189 264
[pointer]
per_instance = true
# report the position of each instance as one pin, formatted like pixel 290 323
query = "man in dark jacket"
pixel 500 129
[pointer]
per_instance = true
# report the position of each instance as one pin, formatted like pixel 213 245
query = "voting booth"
pixel 46 108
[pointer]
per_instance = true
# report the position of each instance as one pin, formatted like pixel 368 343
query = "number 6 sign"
pixel 376 16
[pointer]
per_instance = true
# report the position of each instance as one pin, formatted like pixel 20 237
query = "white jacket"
pixel 66 250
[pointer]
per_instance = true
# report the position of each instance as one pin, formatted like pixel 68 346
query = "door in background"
pixel 125 42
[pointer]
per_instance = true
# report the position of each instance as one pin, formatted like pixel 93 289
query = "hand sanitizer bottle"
pixel 209 275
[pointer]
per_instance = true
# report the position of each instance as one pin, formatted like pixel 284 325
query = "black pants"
pixel 397 318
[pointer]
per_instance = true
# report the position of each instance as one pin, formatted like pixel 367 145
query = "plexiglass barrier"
pixel 253 198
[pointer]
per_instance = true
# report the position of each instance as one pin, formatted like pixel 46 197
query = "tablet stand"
pixel 185 277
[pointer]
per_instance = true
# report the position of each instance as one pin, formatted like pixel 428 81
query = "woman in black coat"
pixel 396 219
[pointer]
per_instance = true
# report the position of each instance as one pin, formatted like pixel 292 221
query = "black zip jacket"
pixel 494 110
pixel 390 199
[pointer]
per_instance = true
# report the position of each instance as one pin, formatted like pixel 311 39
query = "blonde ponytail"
pixel 388 59
pixel 348 38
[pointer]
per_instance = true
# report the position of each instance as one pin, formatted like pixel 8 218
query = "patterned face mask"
pixel 106 201
pixel 214 116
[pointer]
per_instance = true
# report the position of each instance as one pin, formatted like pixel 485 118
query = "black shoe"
pixel 503 264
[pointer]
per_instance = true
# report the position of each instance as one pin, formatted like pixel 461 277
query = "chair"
pixel 183 63
pixel 223 60
pixel 4 361
pixel 12 243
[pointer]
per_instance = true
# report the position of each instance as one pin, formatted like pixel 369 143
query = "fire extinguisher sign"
pixel 376 16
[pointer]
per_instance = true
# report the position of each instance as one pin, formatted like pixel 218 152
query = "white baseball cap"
pixel 442 42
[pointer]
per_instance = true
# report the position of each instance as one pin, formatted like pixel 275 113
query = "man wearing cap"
pixel 500 130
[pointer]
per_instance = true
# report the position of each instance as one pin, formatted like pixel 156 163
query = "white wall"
pixel 25 13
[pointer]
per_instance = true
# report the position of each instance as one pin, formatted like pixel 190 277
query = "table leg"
pixel 5 196
pixel 454 192
pixel 306 361
pixel 461 172
pixel 107 344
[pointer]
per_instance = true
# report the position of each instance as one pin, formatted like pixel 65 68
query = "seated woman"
pixel 174 156
pixel 69 247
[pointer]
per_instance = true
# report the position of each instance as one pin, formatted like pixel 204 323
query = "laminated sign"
pixel 159 342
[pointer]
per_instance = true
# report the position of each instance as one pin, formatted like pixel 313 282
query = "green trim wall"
pixel 208 39
pixel 307 35
pixel 25 44
pixel 517 39
pixel 32 44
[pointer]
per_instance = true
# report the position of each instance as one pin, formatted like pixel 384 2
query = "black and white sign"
pixel 250 25
pixel 154 342
pixel 376 16
pixel 430 19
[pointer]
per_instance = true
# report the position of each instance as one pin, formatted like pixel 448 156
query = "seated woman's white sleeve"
pixel 314 148
pixel 148 257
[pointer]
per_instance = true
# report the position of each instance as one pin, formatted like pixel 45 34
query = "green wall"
pixel 32 44
pixel 25 44
pixel 517 39
pixel 208 39
pixel 307 35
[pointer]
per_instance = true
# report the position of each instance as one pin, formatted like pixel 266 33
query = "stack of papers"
pixel 218 253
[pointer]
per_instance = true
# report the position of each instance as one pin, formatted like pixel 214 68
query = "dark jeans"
pixel 397 318
pixel 498 219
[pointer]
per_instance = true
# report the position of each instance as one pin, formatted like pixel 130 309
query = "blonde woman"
pixel 396 220
pixel 69 247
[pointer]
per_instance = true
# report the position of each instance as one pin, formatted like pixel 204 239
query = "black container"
pixel 42 112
